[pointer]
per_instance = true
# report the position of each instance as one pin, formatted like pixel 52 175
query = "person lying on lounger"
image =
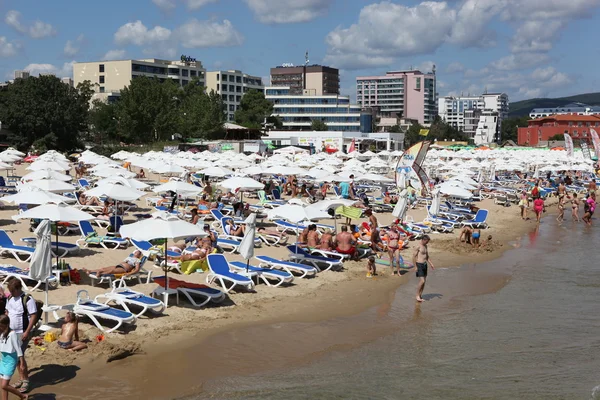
pixel 232 230
pixel 129 266
pixel 69 334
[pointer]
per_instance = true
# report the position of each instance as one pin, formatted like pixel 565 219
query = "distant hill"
pixel 524 107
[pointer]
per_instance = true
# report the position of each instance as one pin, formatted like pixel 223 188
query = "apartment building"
pixel 231 86
pixel 321 80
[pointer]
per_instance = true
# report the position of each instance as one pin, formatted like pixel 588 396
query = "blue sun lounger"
pixel 291 267
pixel 62 247
pixel 265 274
pixel 10 271
pixel 219 271
pixel 480 220
pixel 89 236
pixel 148 248
pixel 86 307
pixel 298 254
pixel 125 297
pixel 7 246
pixel 193 291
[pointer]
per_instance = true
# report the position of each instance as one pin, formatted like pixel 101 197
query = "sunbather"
pixel 141 174
pixel 69 335
pixel 232 230
pixel 312 238
pixel 129 266
pixel 326 242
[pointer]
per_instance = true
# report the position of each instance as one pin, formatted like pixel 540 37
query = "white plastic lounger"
pixel 291 267
pixel 284 226
pixel 194 291
pixel 265 274
pixel 142 273
pixel 219 271
pixel 63 248
pixel 270 239
pixel 21 253
pixel 299 254
pixel 232 245
pixel 93 310
pixel 125 297
pixel 90 237
pixel 10 271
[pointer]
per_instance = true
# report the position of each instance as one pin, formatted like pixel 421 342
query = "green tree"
pixel 396 129
pixel 558 136
pixel 509 130
pixel 253 110
pixel 45 111
pixel 103 122
pixel 200 114
pixel 318 125
pixel 412 135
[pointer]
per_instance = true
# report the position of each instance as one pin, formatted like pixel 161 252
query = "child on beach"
pixel 10 346
pixel 475 237
pixel 371 268
pixel 69 335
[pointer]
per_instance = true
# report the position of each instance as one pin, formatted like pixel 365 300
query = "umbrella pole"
pixel 56 230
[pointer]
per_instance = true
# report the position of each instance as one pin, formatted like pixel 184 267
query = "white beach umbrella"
pixel 434 209
pixel 178 187
pixel 40 266
pixel 253 170
pixel 161 226
pixel 285 170
pixel 318 173
pixel 46 174
pixel 169 169
pixel 295 213
pixel 132 183
pixel 217 172
pixel 36 196
pixel 325 205
pixel 455 191
pixel 106 171
pixel 241 183
pixel 55 213
pixel 13 151
pixel 43 165
pixel 9 158
pixel 246 248
pixel 374 178
pixel 116 192
pixel 50 185
pixel 333 178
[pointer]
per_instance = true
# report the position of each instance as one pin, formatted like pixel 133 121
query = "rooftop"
pixel 569 118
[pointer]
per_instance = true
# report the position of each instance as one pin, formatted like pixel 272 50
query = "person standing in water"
pixel 538 207
pixel 575 208
pixel 421 260
pixel 561 208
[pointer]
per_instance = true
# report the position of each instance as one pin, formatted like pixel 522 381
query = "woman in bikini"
pixel 394 249
pixel 232 230
pixel 575 208
pixel 561 208
pixel 129 266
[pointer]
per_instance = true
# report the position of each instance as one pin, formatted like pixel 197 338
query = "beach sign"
pixel 410 166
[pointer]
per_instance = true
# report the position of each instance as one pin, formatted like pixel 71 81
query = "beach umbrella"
pixel 132 183
pixel 218 172
pixel 285 170
pixel 374 178
pixel 246 248
pixel 455 191
pixel 115 191
pixel 434 209
pixel 325 205
pixel 53 165
pixel 46 174
pixel 296 213
pixel 108 172
pixel 50 185
pixel 169 169
pixel 35 196
pixel 55 213
pixel 162 226
pixel 14 151
pixel 177 187
pixel 400 208
pixel 253 170
pixel 241 183
pixel 40 266
pixel 9 158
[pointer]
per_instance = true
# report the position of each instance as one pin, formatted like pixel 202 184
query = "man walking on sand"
pixel 420 261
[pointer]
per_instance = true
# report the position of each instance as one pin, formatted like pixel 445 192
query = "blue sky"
pixel 527 48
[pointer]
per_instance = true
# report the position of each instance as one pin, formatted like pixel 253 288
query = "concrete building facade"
pixel 232 85
pixel 542 129
pixel 109 77
pixel 406 94
pixel 571 108
pixel 319 79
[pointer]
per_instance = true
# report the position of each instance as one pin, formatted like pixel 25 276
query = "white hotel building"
pixel 232 85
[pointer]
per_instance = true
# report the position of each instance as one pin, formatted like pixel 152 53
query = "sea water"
pixel 525 326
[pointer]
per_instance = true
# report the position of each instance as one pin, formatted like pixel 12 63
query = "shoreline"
pixel 333 300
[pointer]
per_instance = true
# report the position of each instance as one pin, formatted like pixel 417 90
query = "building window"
pixel 232 88
pixel 238 79
pixel 231 78
pixel 238 89
pixel 575 132
pixel 101 79
pixel 184 72
pixel 184 82
pixel 101 89
pixel 238 98
pixel 231 107
pixel 193 73
pixel 231 117
pixel 570 123
pixel 224 97
pixel 224 77
pixel 101 69
pixel 231 97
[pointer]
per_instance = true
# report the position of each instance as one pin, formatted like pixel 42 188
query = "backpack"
pixel 38 305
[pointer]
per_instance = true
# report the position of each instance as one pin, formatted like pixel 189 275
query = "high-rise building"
pixel 232 85
pixel 407 94
pixel 480 117
pixel 111 76
pixel 297 111
pixel 22 74
pixel 319 79
pixel 67 81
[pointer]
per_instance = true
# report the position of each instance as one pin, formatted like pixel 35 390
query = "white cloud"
pixel 288 11
pixel 72 47
pixel 472 20
pixel 114 55
pixel 548 9
pixel 197 34
pixel 7 49
pixel 138 34
pixel 165 5
pixel 66 70
pixel 38 30
pixel 196 4
pixel 520 61
pixel 455 67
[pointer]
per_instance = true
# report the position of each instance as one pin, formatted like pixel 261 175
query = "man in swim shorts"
pixel 420 260
pixel 345 243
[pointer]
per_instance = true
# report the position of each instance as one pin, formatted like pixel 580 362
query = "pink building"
pixel 409 94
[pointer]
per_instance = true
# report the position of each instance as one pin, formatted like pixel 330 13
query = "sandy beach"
pixel 328 295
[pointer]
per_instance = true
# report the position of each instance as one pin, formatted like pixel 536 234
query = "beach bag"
pixel 75 276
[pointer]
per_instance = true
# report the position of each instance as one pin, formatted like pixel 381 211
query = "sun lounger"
pixel 265 274
pixel 125 297
pixel 193 291
pixel 149 249
pixel 142 273
pixel 480 220
pixel 218 216
pixel 59 249
pixel 284 226
pixel 21 253
pixel 291 267
pixel 298 254
pixel 10 271
pixel 270 239
pixel 219 271
pixel 232 246
pixel 86 307
pixel 90 237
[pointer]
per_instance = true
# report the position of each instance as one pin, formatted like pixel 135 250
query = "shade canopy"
pixel 177 187
pixel 44 165
pixel 246 248
pixel 36 196
pixel 40 266
pixel 161 226
pixel 218 172
pixel 50 185
pixel 46 174
pixel 116 192
pixel 296 213
pixel 55 213
pixel 241 183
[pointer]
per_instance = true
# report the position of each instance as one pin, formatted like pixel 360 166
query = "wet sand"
pixel 160 345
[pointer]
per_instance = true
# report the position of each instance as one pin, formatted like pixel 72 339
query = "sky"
pixel 526 48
